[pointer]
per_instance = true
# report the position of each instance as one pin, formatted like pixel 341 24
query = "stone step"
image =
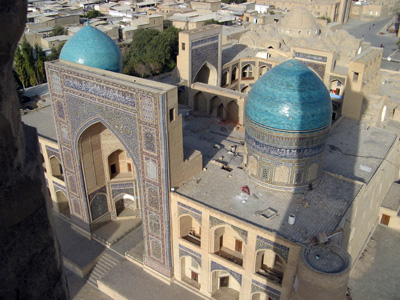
pixel 107 262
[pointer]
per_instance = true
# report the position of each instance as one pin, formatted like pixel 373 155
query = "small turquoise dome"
pixel 289 97
pixel 93 48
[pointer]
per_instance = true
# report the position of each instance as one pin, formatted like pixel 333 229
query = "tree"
pixel 92 14
pixel 212 21
pixel 19 65
pixel 39 64
pixel 29 60
pixel 55 52
pixel 58 30
pixel 151 52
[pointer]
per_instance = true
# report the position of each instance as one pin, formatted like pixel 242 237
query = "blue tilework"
pixel 289 97
pixel 91 47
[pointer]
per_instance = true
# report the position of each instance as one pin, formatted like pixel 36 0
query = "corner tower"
pixel 287 121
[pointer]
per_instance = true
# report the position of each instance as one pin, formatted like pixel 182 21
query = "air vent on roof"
pixel 269 213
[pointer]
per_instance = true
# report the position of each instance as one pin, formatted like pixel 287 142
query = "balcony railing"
pixel 231 255
pixel 271 274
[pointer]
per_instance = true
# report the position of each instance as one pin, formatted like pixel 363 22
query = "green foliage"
pixel 39 64
pixel 92 14
pixel 58 30
pixel 29 64
pixel 55 52
pixel 271 12
pixel 27 53
pixel 151 52
pixel 212 21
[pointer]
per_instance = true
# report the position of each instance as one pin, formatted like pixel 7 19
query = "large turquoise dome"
pixel 91 47
pixel 289 97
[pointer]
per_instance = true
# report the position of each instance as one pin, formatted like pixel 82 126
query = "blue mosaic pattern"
pixel 257 287
pixel 99 206
pixel 284 152
pixel 200 55
pixel 310 56
pixel 183 251
pixel 89 99
pixel 289 97
pixel 279 249
pixel 53 152
pixel 59 187
pixel 91 47
pixel 217 266
pixel 115 193
pixel 184 209
pixel 318 68
pixel 204 41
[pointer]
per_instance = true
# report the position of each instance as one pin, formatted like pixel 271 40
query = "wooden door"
pixel 385 219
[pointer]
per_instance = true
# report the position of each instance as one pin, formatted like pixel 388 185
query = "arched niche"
pixel 223 283
pixel 56 168
pixel 62 203
pixel 232 111
pixel 190 229
pixel 200 102
pixel 207 74
pixel 270 265
pixel 226 243
pixel 190 271
pixel 247 72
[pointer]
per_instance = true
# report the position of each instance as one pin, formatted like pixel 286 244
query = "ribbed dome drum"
pixel 287 120
pixel 93 48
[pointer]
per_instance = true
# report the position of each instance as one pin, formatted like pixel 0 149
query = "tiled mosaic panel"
pixel 129 114
pixel 200 55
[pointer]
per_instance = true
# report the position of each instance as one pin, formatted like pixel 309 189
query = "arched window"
pixel 190 230
pixel 247 72
pixel 270 265
pixel 56 168
pixel 224 81
pixel 234 75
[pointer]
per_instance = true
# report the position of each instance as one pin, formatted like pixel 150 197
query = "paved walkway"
pixel 376 275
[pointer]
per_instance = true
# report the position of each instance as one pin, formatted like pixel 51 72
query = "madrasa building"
pixel 250 196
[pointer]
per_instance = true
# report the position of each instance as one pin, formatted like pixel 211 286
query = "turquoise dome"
pixel 289 97
pixel 93 48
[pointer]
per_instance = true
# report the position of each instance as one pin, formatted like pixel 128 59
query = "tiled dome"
pixel 91 47
pixel 289 97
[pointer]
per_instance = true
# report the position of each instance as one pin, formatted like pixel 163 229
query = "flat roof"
pixel 316 211
pixel 392 198
pixel 42 119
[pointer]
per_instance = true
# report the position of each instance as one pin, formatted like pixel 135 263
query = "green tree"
pixel 39 64
pixel 212 21
pixel 55 52
pixel 151 52
pixel 27 53
pixel 92 14
pixel 58 30
pixel 19 65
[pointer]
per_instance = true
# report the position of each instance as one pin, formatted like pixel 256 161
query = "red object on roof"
pixel 245 189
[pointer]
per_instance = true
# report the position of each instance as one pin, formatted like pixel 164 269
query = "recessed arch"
pixel 200 102
pixel 227 243
pixel 270 265
pixel 190 229
pixel 233 111
pixel 207 74
pixel 56 168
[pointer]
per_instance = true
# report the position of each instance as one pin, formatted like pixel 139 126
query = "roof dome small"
pixel 93 48
pixel 299 22
pixel 289 97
